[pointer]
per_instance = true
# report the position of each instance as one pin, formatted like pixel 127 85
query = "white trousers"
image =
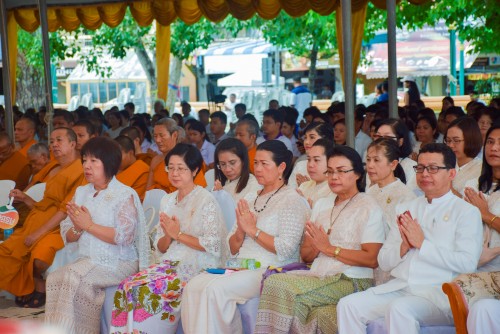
pixel 210 302
pixel 403 312
pixel 484 317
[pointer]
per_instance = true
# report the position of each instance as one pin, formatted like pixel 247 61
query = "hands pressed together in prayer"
pixel 318 237
pixel 217 185
pixel 411 233
pixel 301 179
pixel 80 216
pixel 478 200
pixel 245 219
pixel 170 225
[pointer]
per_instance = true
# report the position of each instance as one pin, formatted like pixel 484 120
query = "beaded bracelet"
pixel 75 231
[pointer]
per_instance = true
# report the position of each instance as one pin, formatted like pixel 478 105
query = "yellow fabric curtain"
pixel 12 45
pixel 357 27
pixel 190 11
pixel 162 59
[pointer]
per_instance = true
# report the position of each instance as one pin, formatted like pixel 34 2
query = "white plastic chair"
pixel 228 207
pixel 210 179
pixel 36 192
pixel 74 103
pixel 5 187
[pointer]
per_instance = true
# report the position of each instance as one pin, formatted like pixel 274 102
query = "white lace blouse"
pixel 354 223
pixel 388 197
pixel 200 216
pixel 469 171
pixel 299 168
pixel 251 187
pixel 118 207
pixel 284 218
pixel 314 191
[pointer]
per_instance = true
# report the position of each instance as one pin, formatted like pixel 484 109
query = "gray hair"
pixel 252 127
pixel 39 149
pixel 172 127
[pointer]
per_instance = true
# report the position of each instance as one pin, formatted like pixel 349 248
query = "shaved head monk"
pixel 133 173
pixel 13 165
pixel 24 134
pixel 30 250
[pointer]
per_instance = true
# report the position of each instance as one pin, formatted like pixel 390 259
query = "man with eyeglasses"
pixel 436 237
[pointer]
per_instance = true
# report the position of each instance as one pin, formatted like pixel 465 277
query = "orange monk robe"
pixel 251 157
pixel 161 181
pixel 24 150
pixel 16 168
pixel 136 177
pixel 146 157
pixel 16 259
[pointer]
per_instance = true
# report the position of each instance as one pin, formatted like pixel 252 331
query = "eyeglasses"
pixel 180 170
pixel 377 136
pixel 229 164
pixel 455 141
pixel 340 173
pixel 430 169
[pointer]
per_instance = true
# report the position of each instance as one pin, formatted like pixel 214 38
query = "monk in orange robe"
pixel 134 134
pixel 166 136
pixel 30 250
pixel 133 173
pixel 24 133
pixel 13 165
pixel 246 131
pixel 38 158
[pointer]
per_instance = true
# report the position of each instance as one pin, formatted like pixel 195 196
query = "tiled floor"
pixel 8 309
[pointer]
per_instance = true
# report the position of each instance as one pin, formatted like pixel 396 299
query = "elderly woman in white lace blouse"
pixel 190 238
pixel 342 241
pixel 105 222
pixel 269 229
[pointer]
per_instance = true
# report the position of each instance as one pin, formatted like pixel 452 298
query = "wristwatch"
pixel 257 234
pixel 336 252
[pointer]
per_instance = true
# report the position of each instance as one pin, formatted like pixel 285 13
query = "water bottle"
pixel 239 263
pixel 7 232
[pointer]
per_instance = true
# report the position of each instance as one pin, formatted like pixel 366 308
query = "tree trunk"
pixel 312 69
pixel 30 91
pixel 173 81
pixel 148 66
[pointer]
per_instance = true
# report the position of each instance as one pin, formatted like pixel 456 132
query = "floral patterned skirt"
pixel 149 301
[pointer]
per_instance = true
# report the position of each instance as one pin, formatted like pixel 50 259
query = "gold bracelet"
pixel 337 252
pixel 179 235
pixel 492 220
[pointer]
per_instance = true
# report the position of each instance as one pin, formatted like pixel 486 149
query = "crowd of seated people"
pixel 343 236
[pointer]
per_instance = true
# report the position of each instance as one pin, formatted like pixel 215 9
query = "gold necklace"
pixel 331 213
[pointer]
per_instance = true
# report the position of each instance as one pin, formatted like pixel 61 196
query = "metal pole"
pixel 277 72
pixel 391 53
pixel 453 62
pixel 462 60
pixel 348 70
pixel 9 115
pixel 42 9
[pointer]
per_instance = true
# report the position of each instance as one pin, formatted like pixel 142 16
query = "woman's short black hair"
pixel 473 140
pixel 432 121
pixel 279 154
pixel 190 154
pixel 354 158
pixel 324 130
pixel 236 147
pixel 197 126
pixel 106 150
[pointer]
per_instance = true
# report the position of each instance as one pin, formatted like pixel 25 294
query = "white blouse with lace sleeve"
pixel 283 218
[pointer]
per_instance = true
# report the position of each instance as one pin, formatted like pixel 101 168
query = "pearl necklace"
pixel 265 205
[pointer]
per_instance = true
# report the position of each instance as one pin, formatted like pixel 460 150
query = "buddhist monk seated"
pixel 13 165
pixel 132 172
pixel 24 134
pixel 30 250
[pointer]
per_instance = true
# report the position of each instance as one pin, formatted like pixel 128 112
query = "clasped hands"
pixel 245 219
pixel 79 215
pixel 170 225
pixel 411 232
pixel 317 237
